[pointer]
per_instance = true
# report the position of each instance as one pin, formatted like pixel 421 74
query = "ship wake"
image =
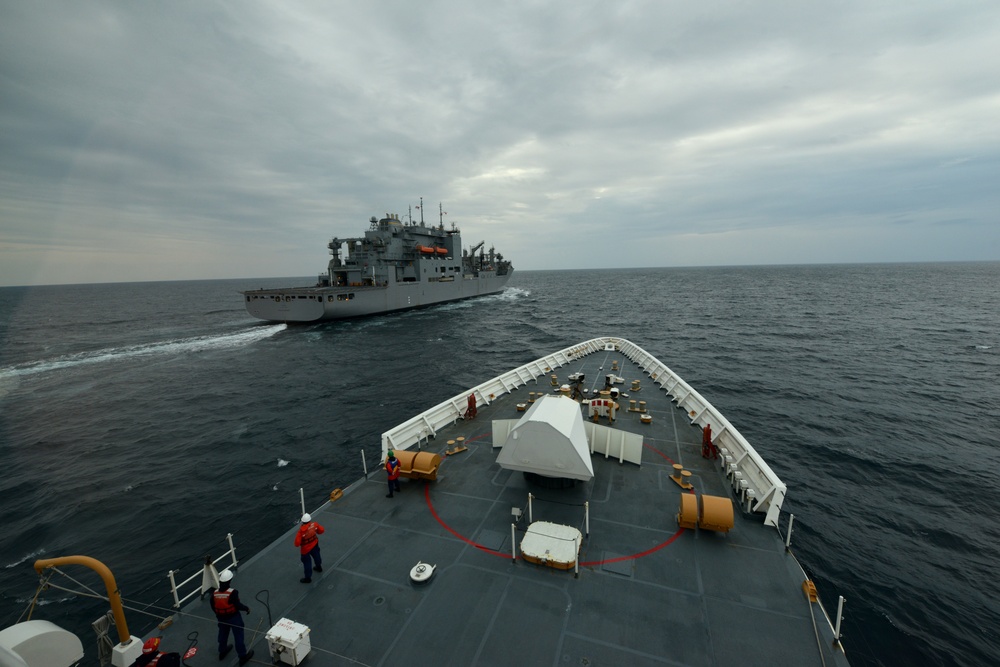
pixel 160 348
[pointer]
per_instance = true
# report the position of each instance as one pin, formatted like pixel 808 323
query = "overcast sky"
pixel 189 140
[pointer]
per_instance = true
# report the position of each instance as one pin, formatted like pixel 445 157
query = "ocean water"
pixel 141 423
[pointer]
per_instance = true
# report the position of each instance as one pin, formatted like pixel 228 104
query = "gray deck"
pixel 702 599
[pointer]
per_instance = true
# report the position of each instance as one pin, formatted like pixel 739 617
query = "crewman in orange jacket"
pixel 307 540
pixel 225 602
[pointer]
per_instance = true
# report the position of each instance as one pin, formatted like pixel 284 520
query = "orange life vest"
pixel 221 604
pixel 307 535
pixel 392 467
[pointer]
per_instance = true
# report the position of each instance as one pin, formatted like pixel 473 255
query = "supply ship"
pixel 589 507
pixel 397 265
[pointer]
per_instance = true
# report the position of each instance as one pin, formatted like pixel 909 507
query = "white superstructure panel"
pixel 549 440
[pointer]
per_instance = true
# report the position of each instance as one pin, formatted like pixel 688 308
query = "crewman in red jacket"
pixel 708 448
pixel 226 604
pixel 307 540
pixel 152 656
pixel 392 469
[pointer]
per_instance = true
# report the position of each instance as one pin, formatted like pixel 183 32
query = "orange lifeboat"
pixel 441 251
pixel 425 250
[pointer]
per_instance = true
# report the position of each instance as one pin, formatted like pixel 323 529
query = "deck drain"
pixel 379 601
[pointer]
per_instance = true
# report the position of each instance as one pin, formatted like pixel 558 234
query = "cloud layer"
pixel 153 141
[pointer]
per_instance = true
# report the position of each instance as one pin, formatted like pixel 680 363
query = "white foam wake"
pixel 512 293
pixel 30 557
pixel 181 345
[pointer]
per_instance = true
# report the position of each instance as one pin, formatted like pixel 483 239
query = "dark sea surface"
pixel 141 423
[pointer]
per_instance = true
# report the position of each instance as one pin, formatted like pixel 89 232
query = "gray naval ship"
pixel 396 265
pixel 585 508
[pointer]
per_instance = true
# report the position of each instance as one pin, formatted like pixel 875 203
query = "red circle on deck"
pixel 636 556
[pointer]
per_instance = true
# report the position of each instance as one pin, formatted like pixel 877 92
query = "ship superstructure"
pixel 396 265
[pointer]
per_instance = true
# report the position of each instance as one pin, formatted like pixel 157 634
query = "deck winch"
pixel 705 512
pixel 418 465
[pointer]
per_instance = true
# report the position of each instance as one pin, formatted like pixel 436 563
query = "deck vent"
pixel 421 572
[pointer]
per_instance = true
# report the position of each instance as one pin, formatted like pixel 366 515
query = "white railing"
pixel 768 491
pixel 761 488
pixel 428 423
pixel 175 588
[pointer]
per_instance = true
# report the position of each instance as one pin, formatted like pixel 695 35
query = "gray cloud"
pixel 199 140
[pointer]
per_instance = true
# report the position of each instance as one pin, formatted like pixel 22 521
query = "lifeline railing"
pixel 763 490
pixel 175 587
pixel 428 423
pixel 756 483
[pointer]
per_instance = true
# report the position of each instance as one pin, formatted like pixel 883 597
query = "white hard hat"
pixel 306 518
pixel 226 575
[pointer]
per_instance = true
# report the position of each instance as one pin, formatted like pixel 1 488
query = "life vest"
pixel 307 535
pixel 221 604
pixel 392 467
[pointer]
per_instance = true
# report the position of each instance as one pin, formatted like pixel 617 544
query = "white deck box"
pixel 288 641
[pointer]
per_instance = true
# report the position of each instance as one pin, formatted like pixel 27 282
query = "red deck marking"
pixel 644 444
pixel 430 506
pixel 593 563
pixel 427 497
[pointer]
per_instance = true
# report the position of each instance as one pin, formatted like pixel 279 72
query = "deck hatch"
pixel 491 539
pixel 610 563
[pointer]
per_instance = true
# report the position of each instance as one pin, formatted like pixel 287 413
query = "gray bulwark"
pixel 647 592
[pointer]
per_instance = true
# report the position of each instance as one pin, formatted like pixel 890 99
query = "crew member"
pixel 392 470
pixel 708 450
pixel 226 604
pixel 151 656
pixel 307 540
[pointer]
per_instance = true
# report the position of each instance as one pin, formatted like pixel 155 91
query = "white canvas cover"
pixel 549 440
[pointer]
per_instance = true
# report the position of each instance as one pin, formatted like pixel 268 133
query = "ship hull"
pixel 639 586
pixel 316 304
